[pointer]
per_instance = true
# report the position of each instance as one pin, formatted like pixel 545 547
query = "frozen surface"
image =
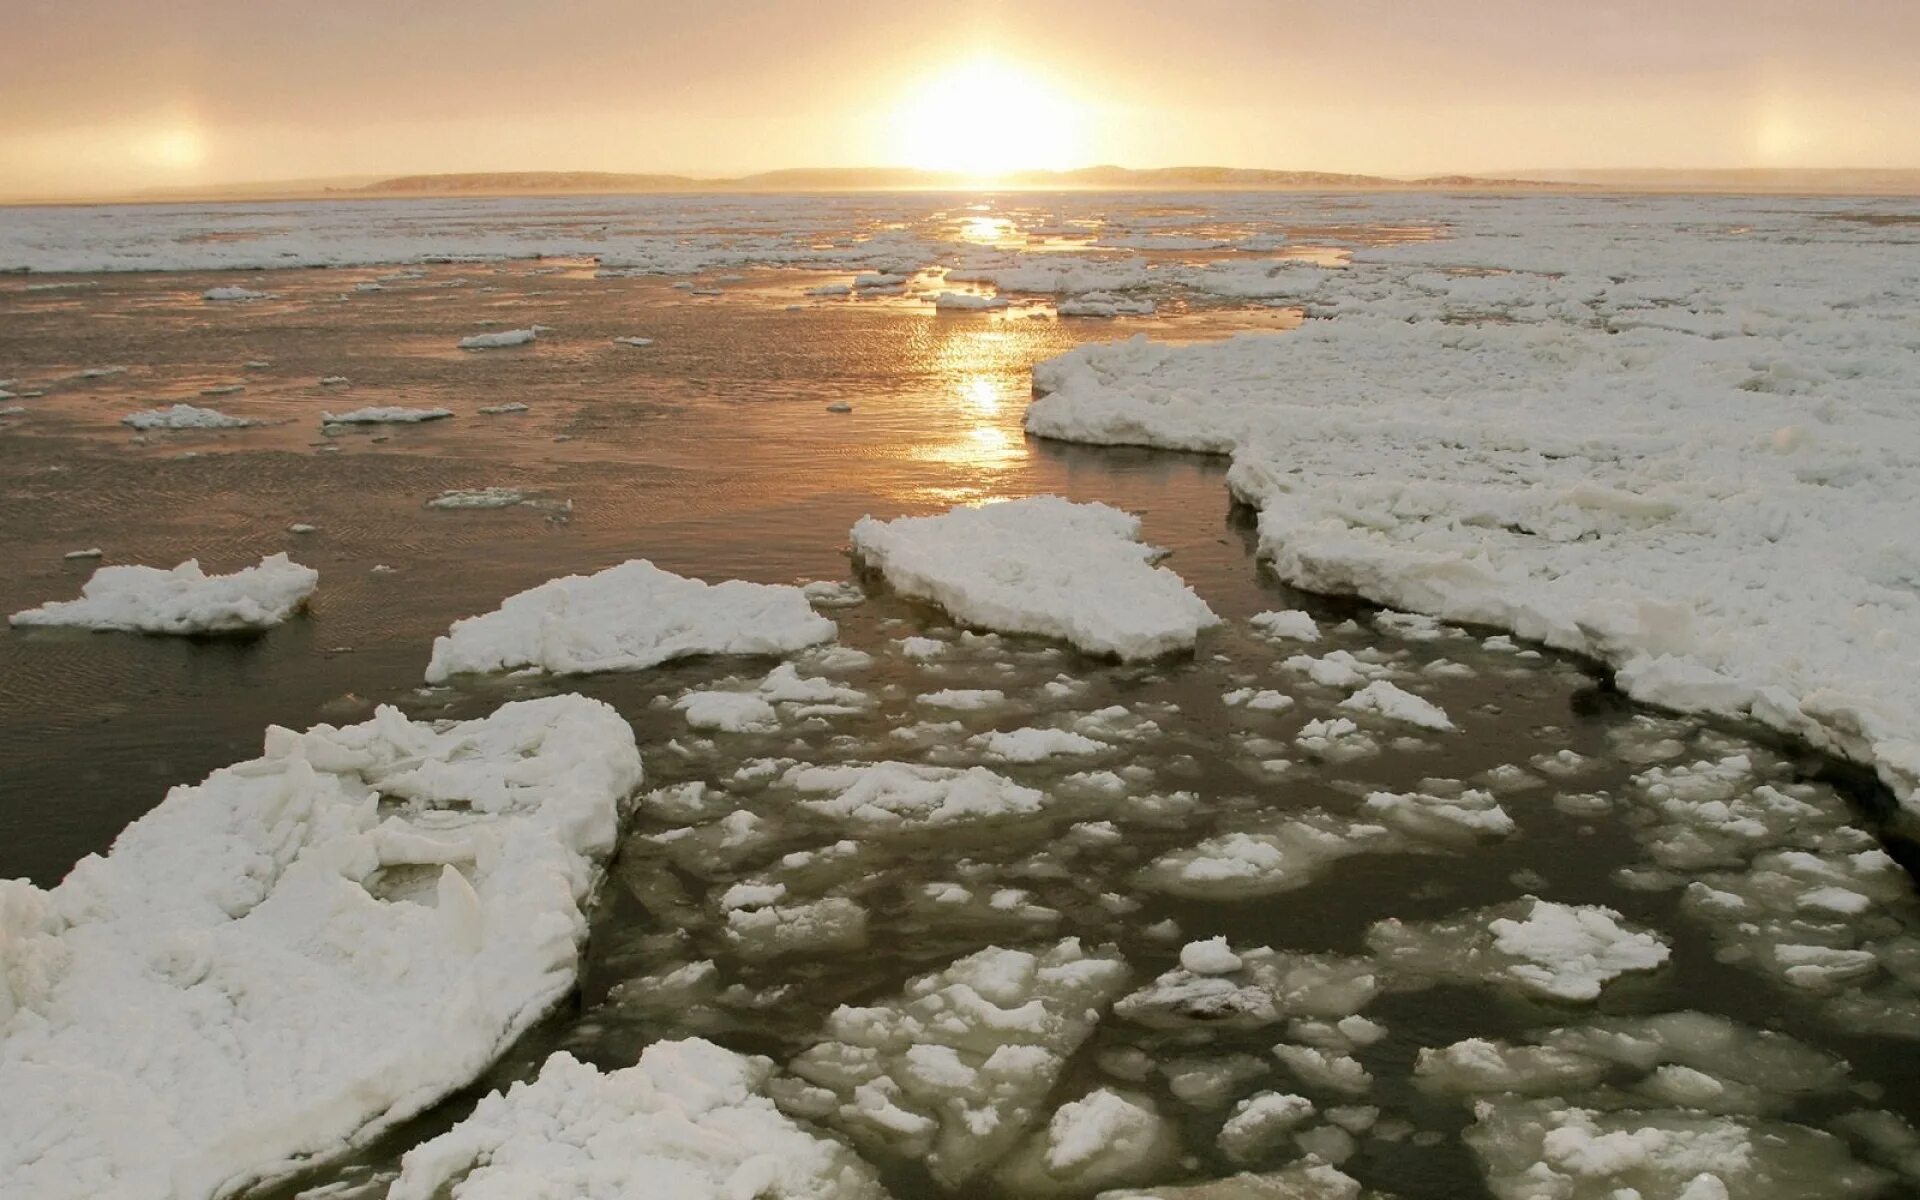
pixel 183 600
pixel 627 618
pixel 1044 566
pixel 1683 451
pixel 689 1121
pixel 301 949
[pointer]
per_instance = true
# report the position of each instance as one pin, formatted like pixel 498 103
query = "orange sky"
pixel 106 95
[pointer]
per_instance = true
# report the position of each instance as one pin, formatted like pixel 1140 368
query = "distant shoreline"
pixel 1866 182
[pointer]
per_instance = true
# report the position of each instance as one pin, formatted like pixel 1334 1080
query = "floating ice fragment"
pixel 184 416
pixel 495 341
pixel 384 415
pixel 301 950
pixel 1044 566
pixel 689 1120
pixel 627 618
pixel 184 600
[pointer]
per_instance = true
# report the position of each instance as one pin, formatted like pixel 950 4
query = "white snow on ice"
pixel 300 950
pixel 1042 566
pixel 182 600
pixel 627 618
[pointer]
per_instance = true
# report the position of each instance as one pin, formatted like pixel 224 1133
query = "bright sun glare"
pixel 986 118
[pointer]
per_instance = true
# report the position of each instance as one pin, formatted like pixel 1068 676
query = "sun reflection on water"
pixel 978 442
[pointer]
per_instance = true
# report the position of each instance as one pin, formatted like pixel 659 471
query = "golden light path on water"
pixel 978 368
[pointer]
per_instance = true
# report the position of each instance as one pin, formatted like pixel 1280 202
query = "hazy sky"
pixel 116 94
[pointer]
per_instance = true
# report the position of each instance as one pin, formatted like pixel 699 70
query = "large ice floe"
pixel 182 600
pixel 1044 566
pixel 689 1121
pixel 301 950
pixel 626 618
pixel 1635 443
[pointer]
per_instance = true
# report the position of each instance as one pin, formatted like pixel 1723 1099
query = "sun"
pixel 986 118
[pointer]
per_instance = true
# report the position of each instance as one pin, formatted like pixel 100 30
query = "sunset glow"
pixel 985 118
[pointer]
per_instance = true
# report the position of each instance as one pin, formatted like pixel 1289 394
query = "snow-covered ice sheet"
pixel 1044 566
pixel 1689 453
pixel 183 600
pixel 300 950
pixel 627 618
pixel 688 1121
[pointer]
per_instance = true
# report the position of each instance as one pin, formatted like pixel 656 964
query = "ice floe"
pixel 968 302
pixel 302 949
pixel 894 795
pixel 183 600
pixel 1559 951
pixel 626 618
pixel 957 1068
pixel 384 415
pixel 689 1120
pixel 1041 566
pixel 1693 525
pixel 183 416
pixel 496 341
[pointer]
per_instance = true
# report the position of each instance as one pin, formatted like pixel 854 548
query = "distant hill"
pixel 850 179
pixel 1884 181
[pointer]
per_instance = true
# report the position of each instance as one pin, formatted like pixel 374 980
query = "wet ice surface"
pixel 1412 898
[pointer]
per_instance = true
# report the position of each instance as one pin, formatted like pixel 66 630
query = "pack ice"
pixel 1043 566
pixel 627 618
pixel 183 600
pixel 300 950
pixel 1690 456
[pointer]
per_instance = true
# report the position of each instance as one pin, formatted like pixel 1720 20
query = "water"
pixel 712 453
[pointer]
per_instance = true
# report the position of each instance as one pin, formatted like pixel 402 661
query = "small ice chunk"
pixel 486 497
pixel 184 416
pixel 893 795
pixel 1034 744
pixel 495 341
pixel 184 600
pixel 384 415
pixel 1397 705
pixel 1562 951
pixel 1044 566
pixel 627 618
pixel 1260 1122
pixel 967 302
pixel 1291 624
pixel 1210 957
